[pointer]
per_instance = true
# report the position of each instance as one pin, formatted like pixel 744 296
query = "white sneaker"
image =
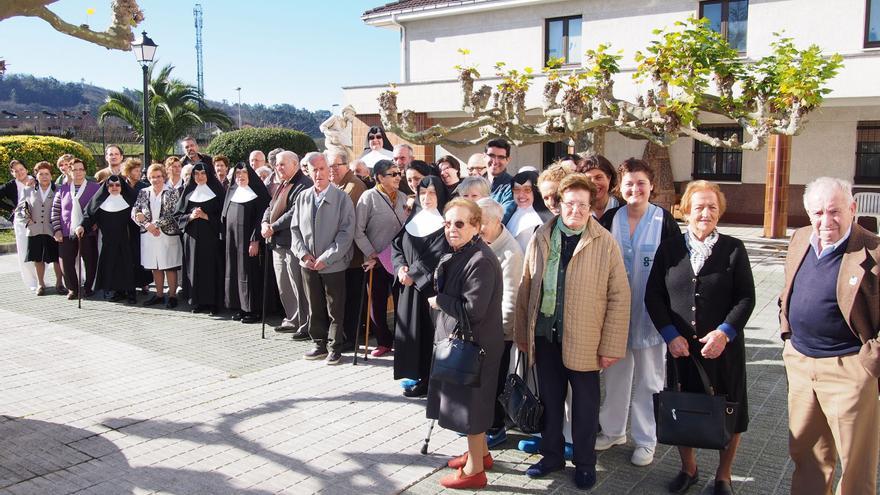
pixel 604 442
pixel 642 456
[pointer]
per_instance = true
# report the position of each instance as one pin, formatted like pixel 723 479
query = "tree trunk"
pixel 591 142
pixel 664 188
pixel 776 190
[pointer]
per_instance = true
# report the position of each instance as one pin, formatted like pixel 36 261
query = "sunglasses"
pixel 392 174
pixel 458 224
pixel 374 136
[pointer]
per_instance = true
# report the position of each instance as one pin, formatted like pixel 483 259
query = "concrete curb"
pixel 7 248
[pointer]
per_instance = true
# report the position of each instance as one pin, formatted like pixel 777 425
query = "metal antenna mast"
pixel 200 64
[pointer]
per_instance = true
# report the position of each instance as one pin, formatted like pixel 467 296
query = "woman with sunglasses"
pixel 377 141
pixel 469 293
pixel 110 210
pixel 415 253
pixel 380 214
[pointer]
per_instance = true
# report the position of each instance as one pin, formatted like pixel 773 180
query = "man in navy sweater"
pixel 829 320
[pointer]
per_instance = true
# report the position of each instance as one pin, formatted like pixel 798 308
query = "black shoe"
pixel 238 315
pixel 171 303
pixel 722 487
pixel 683 481
pixel 419 390
pixel 198 308
pixel 251 318
pixel 542 468
pixel 285 329
pixel 584 479
pixel 333 358
pixel 213 311
pixel 301 336
pixel 316 353
pixel 153 300
pixel 117 296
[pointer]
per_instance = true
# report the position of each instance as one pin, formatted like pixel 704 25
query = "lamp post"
pixel 144 49
pixel 239 106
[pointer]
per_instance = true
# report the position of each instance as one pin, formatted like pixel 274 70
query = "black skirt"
pixel 42 248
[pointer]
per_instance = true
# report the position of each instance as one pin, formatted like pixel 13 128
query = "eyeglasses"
pixel 458 224
pixel 479 169
pixel 392 174
pixel 496 157
pixel 371 137
pixel 575 206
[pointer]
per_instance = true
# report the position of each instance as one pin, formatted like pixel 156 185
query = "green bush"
pixel 32 149
pixel 237 145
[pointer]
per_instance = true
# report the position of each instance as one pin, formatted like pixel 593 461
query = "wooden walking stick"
pixel 265 285
pixel 369 307
pixel 357 332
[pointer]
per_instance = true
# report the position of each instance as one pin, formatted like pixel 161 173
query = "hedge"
pixel 237 145
pixel 32 149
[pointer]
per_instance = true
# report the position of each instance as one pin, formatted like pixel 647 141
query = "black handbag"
pixel 687 419
pixel 522 406
pixel 458 360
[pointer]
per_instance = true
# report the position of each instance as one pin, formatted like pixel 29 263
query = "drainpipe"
pixel 404 59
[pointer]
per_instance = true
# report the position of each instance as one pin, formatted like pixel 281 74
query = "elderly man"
pixel 510 255
pixel 276 230
pixel 191 152
pixel 403 156
pixel 113 157
pixel 477 165
pixel 498 152
pixel 829 322
pixel 323 226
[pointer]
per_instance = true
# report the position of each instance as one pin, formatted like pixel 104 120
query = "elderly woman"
pixel 530 212
pixel 601 172
pixel 35 208
pixel 473 188
pixel 638 226
pixel 510 256
pixel 11 195
pixel 450 172
pixel 68 207
pixel 221 170
pixel 243 210
pixel 548 185
pixel 133 174
pixel 110 211
pixel 174 174
pixel 161 251
pixel 571 319
pixel 469 292
pixel 415 253
pixel 380 214
pixel 198 216
pixel 131 171
pixel 700 295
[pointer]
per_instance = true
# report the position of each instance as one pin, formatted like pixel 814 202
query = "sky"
pixel 278 51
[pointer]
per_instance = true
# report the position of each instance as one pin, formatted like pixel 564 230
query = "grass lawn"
pixel 7 236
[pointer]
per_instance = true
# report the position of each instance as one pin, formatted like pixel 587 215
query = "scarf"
pixel 391 195
pixel 76 212
pixel 700 250
pixel 551 271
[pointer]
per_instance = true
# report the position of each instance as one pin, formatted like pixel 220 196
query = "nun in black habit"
pixel 198 215
pixel 110 210
pixel 416 251
pixel 243 210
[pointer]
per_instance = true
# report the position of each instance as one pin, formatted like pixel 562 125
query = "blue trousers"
pixel 553 381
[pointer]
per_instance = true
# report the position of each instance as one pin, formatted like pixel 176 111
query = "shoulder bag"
pixel 523 407
pixel 458 360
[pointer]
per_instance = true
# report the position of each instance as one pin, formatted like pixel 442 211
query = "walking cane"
pixel 369 307
pixel 357 332
pixel 428 437
pixel 265 284
pixel 79 288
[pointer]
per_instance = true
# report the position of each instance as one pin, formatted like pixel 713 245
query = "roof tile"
pixel 413 5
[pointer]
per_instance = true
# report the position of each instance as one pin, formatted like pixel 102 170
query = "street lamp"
pixel 239 106
pixel 144 49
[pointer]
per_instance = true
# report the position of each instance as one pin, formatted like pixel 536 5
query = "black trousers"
pixel 326 295
pixel 354 290
pixel 68 249
pixel 500 415
pixel 553 381
pixel 382 281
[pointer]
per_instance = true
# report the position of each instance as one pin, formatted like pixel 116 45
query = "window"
pixel 720 164
pixel 563 39
pixel 552 152
pixel 730 18
pixel 872 24
pixel 868 153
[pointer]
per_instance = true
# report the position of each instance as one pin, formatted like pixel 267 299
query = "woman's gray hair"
pixel 491 209
pixel 469 183
pixel 823 188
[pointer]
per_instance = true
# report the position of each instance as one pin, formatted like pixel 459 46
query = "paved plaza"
pixel 112 399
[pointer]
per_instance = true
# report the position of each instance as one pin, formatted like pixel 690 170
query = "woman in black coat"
pixel 700 295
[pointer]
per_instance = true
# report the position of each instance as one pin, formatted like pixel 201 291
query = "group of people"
pixel 572 267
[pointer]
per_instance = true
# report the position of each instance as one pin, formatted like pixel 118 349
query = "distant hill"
pixel 24 92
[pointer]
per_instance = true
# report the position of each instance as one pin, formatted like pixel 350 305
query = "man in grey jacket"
pixel 323 225
pixel 276 230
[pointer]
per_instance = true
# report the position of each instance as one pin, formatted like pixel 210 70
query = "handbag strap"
pixel 527 371
pixel 704 377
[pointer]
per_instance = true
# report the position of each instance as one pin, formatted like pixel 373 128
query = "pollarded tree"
pixel 175 109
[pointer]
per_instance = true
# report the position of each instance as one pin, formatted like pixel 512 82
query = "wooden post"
pixel 776 190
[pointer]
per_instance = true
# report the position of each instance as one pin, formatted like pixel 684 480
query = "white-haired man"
pixel 276 230
pixel 402 157
pixel 829 323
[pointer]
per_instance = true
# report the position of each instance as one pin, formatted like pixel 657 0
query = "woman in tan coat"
pixel 572 319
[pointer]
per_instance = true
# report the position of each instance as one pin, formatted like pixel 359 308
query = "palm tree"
pixel 175 109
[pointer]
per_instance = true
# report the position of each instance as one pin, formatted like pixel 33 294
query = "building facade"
pixel 841 139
